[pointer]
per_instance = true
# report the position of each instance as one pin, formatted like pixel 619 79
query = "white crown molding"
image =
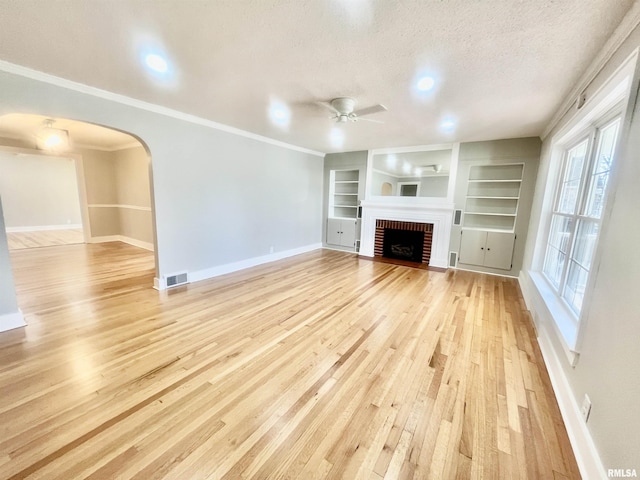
pixel 150 107
pixel 124 146
pixel 412 149
pixel 118 205
pixel 621 33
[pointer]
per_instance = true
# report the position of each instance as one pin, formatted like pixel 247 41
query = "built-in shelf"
pixel 493 214
pixel 343 228
pixel 344 189
pixel 493 192
pixel 498 198
pixel 496 181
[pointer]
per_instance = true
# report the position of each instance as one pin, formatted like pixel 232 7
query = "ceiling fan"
pixel 343 109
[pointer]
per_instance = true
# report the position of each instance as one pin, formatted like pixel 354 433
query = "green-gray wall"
pixel 219 197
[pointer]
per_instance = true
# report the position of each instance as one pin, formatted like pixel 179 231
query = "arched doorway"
pixel 111 182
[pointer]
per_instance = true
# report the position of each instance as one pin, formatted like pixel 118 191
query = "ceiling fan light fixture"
pixel 52 139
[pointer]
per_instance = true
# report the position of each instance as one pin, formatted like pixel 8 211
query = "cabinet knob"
pixel 481 248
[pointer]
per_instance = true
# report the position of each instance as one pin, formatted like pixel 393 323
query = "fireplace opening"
pixel 403 244
pixel 411 240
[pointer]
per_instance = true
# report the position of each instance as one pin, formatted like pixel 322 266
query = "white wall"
pixel 608 369
pixel 119 195
pixel 219 197
pixel 10 316
pixel 39 191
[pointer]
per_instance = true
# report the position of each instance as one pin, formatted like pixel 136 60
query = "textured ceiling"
pixel 501 66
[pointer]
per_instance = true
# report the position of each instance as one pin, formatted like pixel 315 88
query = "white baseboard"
pixel 503 275
pixel 43 228
pixel 584 448
pixel 124 239
pixel 196 276
pixel 9 321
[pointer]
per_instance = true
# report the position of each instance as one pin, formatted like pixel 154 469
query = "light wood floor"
pixel 44 238
pixel 318 366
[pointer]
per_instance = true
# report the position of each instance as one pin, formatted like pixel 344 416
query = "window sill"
pixel 564 320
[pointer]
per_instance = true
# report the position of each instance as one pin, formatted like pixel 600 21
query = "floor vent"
pixel 453 259
pixel 177 279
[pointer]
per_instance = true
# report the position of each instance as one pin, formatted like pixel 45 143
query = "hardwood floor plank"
pixel 317 366
pixel 44 238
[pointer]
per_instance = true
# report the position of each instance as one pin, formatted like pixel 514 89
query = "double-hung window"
pixel 577 211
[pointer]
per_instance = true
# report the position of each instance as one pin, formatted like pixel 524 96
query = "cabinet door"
pixel 348 237
pixel 472 247
pixel 499 250
pixel 333 231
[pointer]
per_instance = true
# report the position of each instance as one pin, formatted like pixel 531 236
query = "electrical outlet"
pixel 585 410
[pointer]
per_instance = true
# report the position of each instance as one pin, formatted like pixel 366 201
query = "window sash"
pixel 575 219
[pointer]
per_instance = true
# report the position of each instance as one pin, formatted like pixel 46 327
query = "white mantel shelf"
pixel 438 214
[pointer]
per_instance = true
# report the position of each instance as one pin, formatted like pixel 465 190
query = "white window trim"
pixel 590 134
pixel 567 325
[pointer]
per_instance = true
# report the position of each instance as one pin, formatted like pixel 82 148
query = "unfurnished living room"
pixel 319 239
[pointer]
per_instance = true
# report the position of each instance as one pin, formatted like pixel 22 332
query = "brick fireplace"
pixel 438 216
pixel 385 229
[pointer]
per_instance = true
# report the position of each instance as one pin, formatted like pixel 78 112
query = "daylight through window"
pixel 577 211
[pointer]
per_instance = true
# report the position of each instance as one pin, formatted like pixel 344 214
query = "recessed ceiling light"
pixel 279 113
pixel 448 125
pixel 406 168
pixel 425 84
pixel 156 62
pixel 337 137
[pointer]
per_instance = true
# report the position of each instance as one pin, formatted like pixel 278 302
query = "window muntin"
pixel 602 167
pixel 570 185
pixel 575 221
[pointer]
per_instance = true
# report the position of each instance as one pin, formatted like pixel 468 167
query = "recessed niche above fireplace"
pixel 421 174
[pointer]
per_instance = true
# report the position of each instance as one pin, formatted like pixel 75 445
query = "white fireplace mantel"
pixel 439 214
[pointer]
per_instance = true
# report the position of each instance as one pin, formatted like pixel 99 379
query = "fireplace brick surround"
pixel 382 225
pixel 439 215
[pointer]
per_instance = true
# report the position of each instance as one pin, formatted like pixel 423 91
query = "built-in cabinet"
pixel 487 249
pixel 345 190
pixel 341 232
pixel 490 215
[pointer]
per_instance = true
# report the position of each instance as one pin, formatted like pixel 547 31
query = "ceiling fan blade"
pixel 371 110
pixel 369 120
pixel 329 107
